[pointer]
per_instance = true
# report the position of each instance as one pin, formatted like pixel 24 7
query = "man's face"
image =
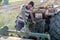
pixel 29 6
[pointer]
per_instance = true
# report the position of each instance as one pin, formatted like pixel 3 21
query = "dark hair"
pixel 32 3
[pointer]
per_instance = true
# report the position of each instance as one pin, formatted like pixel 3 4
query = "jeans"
pixel 19 25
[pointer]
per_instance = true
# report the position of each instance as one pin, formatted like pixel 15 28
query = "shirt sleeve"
pixel 22 6
pixel 31 10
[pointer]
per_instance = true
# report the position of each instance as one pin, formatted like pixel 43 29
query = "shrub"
pixel 0 1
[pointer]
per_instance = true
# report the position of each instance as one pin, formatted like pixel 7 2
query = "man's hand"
pixel 34 22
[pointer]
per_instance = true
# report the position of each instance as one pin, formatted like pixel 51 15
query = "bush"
pixel 0 1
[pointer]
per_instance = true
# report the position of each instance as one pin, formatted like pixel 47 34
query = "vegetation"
pixel 0 1
pixel 8 19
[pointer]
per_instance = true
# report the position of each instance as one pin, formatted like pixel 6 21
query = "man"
pixel 28 11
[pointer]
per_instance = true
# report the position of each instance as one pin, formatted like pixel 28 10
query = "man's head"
pixel 30 4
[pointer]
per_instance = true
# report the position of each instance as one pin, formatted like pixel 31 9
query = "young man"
pixel 28 11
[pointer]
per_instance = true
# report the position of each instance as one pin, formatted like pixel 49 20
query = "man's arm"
pixel 32 17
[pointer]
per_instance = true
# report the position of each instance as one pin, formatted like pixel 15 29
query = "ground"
pixel 11 38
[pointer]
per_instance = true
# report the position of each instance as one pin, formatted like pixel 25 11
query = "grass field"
pixel 11 1
pixel 15 0
pixel 8 18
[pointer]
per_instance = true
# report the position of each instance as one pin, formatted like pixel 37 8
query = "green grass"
pixel 0 0
pixel 8 18
pixel 11 1
pixel 14 0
